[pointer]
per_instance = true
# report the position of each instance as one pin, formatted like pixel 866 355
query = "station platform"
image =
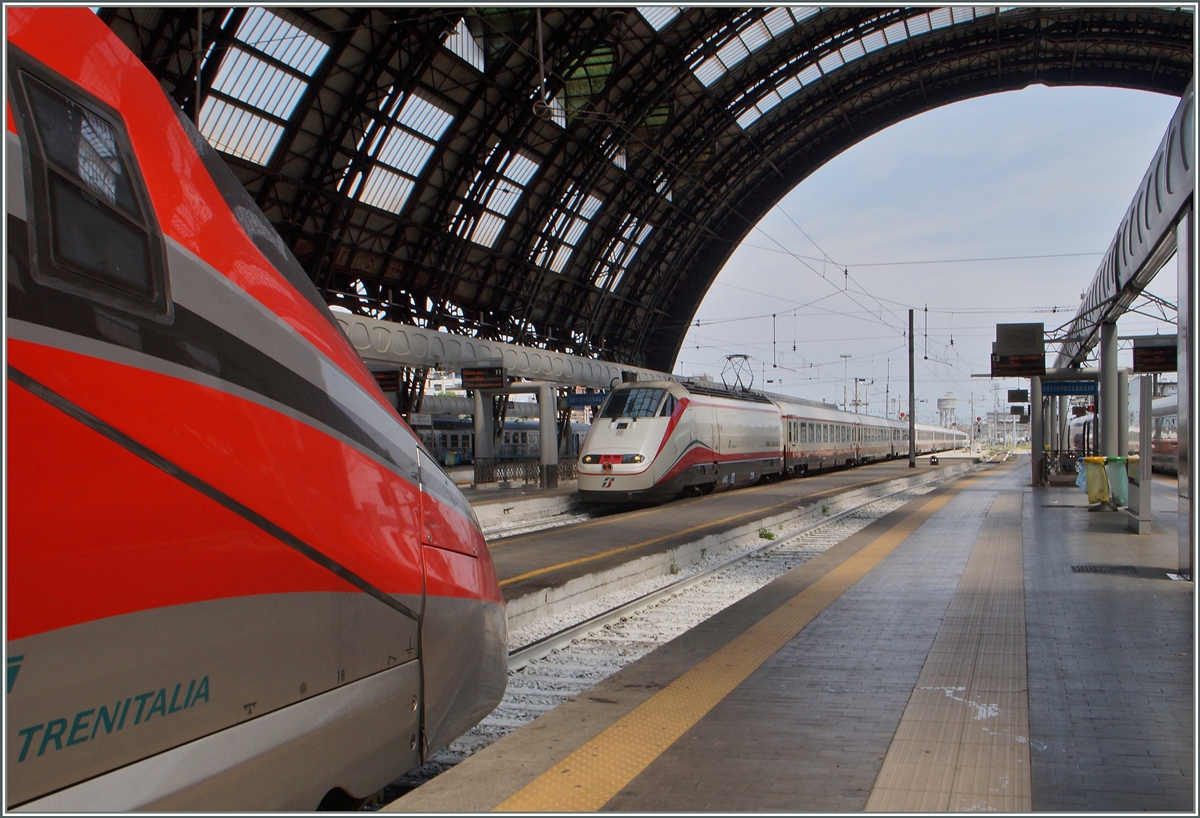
pixel 987 646
pixel 545 572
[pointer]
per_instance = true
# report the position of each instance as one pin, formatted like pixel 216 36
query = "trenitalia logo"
pixel 14 667
pixel 87 723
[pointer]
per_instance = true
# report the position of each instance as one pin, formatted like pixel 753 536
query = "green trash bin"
pixel 1116 469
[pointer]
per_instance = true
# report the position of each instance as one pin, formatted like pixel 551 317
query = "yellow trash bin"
pixel 1097 480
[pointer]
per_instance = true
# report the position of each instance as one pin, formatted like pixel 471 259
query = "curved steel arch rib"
pixel 595 225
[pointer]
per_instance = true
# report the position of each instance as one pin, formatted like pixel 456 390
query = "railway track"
pixel 561 657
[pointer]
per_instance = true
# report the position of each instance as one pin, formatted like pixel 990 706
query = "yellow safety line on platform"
pixel 754 513
pixel 963 741
pixel 587 778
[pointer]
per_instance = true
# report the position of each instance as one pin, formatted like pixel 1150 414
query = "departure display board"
pixel 484 377
pixel 1155 353
pixel 388 381
pixel 1018 396
pixel 1007 366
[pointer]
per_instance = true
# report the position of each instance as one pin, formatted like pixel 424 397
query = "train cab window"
pixel 668 406
pixel 94 230
pixel 636 402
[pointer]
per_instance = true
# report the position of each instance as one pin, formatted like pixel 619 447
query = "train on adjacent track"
pixel 452 440
pixel 1083 433
pixel 654 440
pixel 235 578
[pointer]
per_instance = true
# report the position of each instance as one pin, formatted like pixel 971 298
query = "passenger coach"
pixel 654 440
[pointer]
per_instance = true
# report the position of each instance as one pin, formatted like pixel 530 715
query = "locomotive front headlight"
pixel 591 458
pixel 633 458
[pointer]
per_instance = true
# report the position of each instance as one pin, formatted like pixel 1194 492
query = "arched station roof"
pixel 422 171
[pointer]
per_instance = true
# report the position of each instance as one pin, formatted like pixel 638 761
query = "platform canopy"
pixel 422 171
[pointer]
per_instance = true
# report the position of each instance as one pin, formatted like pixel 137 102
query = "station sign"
pixel 1155 353
pixel 389 381
pixel 419 419
pixel 1069 388
pixel 586 399
pixel 484 377
pixel 1018 396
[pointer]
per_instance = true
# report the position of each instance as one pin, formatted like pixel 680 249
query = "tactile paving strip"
pixel 963 741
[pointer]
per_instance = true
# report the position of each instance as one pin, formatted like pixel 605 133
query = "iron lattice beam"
pixel 660 148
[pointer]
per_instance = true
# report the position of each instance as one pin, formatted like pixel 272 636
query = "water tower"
pixel 946 407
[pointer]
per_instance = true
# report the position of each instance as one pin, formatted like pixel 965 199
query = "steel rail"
pixel 539 648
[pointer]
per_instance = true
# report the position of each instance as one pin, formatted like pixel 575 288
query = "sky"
pixel 930 213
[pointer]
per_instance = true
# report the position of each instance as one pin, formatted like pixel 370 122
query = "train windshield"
pixel 638 402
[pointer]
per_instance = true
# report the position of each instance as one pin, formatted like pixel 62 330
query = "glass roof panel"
pixel 831 62
pixel 732 53
pixel 709 71
pixel 749 117
pixel 621 251
pixel 278 38
pixel 386 190
pixel 788 87
pixel 918 23
pixel 896 33
pixel 874 41
pixel 962 14
pixel 940 18
pixel 424 117
pixel 405 152
pixel 750 37
pixel 236 130
pixel 462 44
pixel 852 51
pixel 519 168
pixel 756 35
pixel 254 81
pixel 498 194
pixel 487 229
pixel 778 21
pixel 563 230
pixel 659 16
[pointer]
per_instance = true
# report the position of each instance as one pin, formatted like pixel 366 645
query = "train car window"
pixel 668 406
pixel 453 441
pixel 94 231
pixel 638 402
